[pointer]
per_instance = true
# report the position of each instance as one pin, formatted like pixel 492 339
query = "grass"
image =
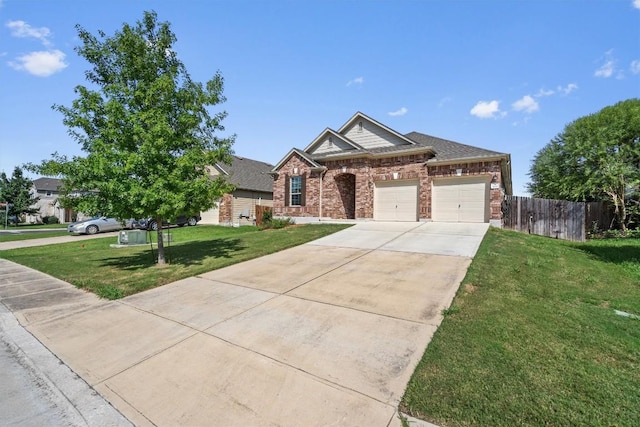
pixel 532 339
pixel 30 236
pixel 24 226
pixel 24 231
pixel 117 272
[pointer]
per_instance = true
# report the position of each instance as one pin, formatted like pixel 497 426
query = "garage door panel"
pixel 211 216
pixel 460 200
pixel 396 201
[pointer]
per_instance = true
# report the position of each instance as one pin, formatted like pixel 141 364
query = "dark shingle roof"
pixel 444 149
pixel 247 174
pixel 398 149
pixel 47 184
pixel 450 150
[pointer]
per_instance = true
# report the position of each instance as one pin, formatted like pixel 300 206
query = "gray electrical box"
pixel 132 237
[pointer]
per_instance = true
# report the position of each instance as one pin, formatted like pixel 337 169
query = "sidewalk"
pixel 37 388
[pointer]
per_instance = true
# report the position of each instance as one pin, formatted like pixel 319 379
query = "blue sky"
pixel 502 75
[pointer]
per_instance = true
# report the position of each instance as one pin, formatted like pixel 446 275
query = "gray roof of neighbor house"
pixel 247 174
pixel 450 150
pixel 47 184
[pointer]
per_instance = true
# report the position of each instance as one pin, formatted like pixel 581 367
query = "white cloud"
pixel 400 112
pixel 608 67
pixel 356 81
pixel 542 92
pixel 41 64
pixel 567 89
pixel 526 104
pixel 636 4
pixel 635 65
pixel 22 29
pixel 487 109
pixel 606 70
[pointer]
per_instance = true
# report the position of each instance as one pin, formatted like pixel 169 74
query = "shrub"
pixel 276 223
pixel 50 220
pixel 281 222
pixel 267 216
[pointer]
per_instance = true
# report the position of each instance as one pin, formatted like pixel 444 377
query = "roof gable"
pixel 331 141
pixel 302 154
pixel 371 134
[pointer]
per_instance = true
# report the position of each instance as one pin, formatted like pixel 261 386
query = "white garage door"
pixel 396 201
pixel 461 199
pixel 212 216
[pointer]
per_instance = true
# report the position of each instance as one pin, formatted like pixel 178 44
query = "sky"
pixel 502 75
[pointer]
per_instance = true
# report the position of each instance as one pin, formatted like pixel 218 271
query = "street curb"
pixel 64 390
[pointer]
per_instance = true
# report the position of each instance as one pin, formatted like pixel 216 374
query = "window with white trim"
pixel 296 191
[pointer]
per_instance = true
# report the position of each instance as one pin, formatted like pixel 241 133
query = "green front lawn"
pixel 116 272
pixel 30 236
pixel 532 338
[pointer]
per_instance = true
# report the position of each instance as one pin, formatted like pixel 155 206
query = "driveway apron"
pixel 327 333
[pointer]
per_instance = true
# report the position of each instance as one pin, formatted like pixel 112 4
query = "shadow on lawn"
pixel 617 254
pixel 185 254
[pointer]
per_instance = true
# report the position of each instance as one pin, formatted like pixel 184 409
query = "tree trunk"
pixel 161 259
pixel 623 214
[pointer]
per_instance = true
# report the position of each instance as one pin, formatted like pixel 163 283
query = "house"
pixel 253 187
pixel 368 171
pixel 48 190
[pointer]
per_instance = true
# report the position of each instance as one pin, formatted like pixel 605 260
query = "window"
pixel 359 127
pixel 296 191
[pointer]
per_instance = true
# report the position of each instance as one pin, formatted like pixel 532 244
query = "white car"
pixel 94 225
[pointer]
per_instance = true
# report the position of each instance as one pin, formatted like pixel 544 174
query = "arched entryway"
pixel 346 184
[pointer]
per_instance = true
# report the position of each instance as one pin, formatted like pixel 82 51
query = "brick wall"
pixel 473 169
pixel 348 185
pixel 226 208
pixel 312 189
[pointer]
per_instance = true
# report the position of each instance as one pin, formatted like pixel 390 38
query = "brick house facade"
pixel 366 170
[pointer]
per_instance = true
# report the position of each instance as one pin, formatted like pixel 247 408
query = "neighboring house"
pixel 253 187
pixel 366 170
pixel 47 189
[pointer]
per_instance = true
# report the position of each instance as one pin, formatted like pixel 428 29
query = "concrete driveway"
pixel 327 333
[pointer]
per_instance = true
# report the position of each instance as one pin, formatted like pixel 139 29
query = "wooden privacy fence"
pixel 260 212
pixel 560 219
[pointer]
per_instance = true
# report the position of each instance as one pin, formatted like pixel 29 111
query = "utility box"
pixel 132 237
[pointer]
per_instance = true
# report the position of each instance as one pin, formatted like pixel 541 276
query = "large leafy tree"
pixel 18 192
pixel 145 127
pixel 596 157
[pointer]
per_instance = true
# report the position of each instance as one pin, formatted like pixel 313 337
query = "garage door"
pixel 212 216
pixel 461 200
pixel 396 201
